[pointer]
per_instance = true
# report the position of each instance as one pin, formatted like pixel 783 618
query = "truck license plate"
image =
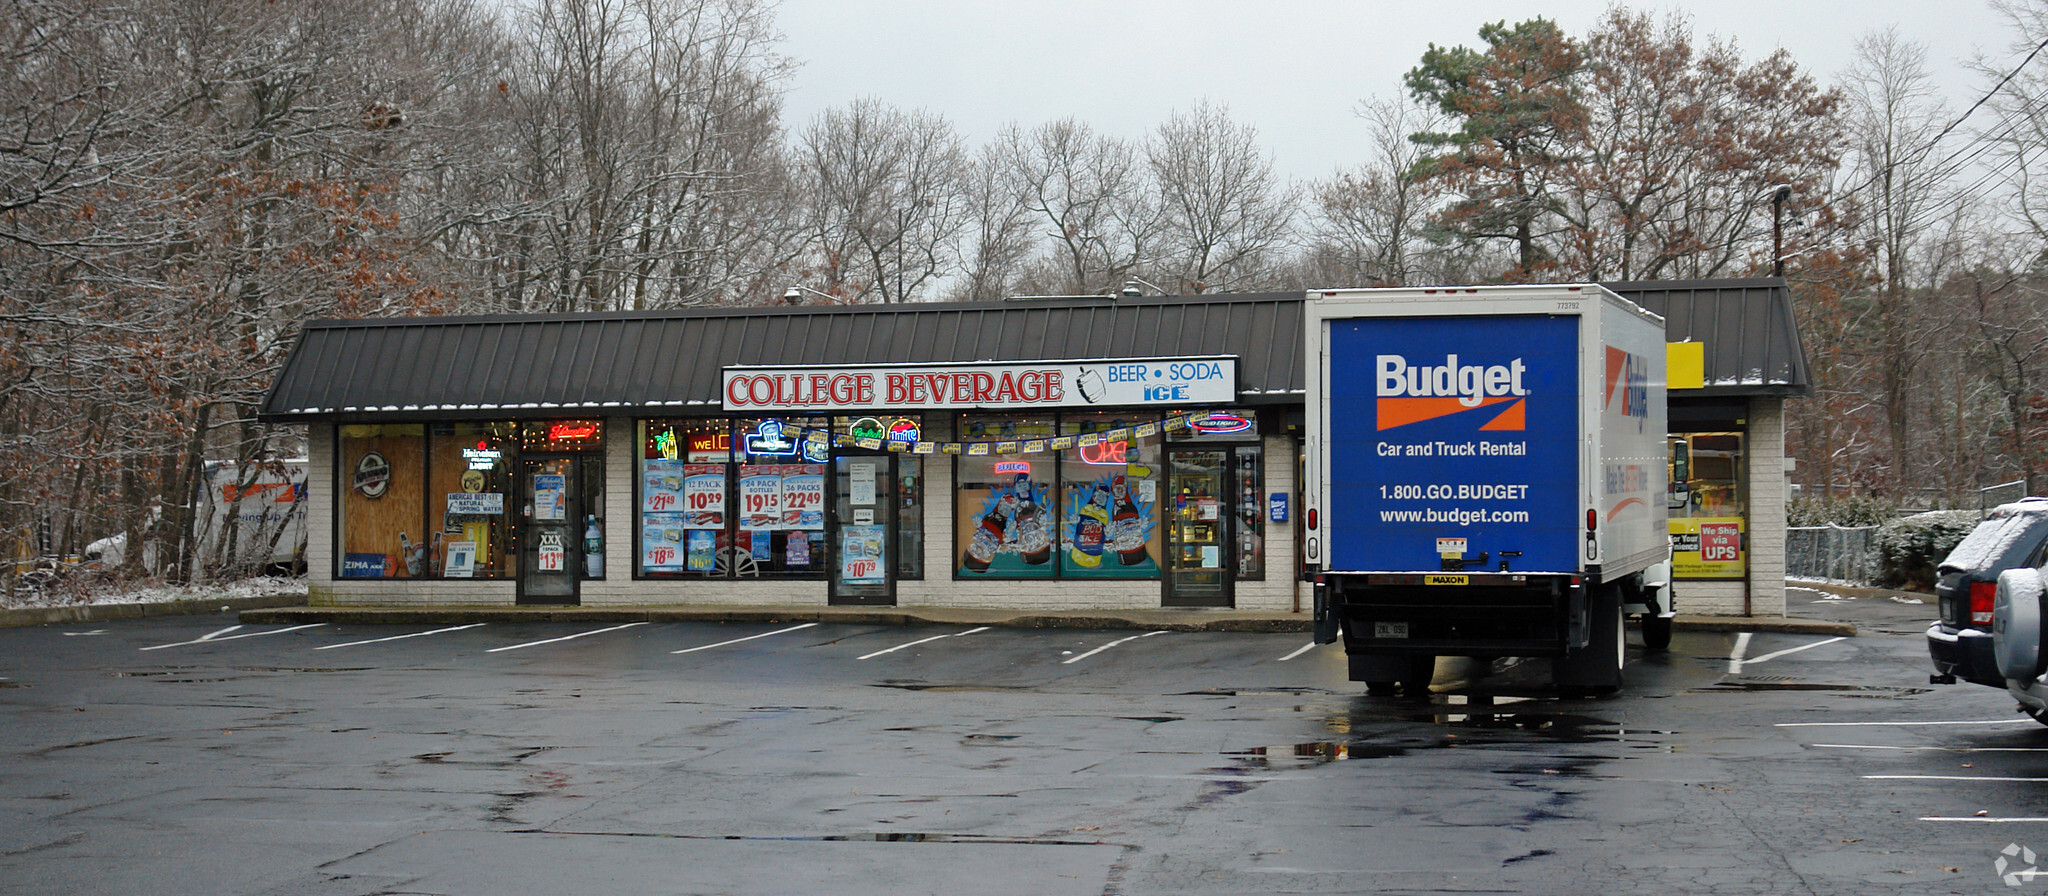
pixel 1390 629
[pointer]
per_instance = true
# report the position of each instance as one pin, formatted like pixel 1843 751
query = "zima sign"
pixel 1052 384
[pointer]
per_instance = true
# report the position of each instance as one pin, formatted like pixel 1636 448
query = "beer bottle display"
pixel 1090 528
pixel 988 539
pixel 1034 537
pixel 1127 527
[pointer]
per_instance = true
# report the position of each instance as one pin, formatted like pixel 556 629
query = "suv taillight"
pixel 1983 595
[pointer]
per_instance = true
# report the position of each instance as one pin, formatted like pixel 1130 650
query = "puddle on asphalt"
pixel 1853 690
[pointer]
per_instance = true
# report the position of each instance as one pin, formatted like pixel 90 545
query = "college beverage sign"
pixel 1052 384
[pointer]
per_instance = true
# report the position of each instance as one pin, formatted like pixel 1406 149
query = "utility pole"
pixel 1779 194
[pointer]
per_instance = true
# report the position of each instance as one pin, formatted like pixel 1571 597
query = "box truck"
pixel 1486 477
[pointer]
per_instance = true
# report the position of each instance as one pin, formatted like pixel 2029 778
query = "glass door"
pixel 550 534
pixel 1198 524
pixel 864 522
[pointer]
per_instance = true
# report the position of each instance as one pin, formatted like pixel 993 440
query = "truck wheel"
pixel 1656 631
pixel 1596 667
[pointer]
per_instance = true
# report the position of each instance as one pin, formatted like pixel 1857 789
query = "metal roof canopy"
pixel 560 365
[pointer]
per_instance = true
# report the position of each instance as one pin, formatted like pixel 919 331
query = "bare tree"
pixel 886 199
pixel 998 234
pixel 1090 195
pixel 1369 223
pixel 1226 215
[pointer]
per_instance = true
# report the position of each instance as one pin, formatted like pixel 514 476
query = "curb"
pixel 25 616
pixel 1160 620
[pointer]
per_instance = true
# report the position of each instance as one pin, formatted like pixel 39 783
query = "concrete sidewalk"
pixel 1176 620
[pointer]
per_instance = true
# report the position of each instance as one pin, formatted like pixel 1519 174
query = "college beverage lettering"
pixel 897 389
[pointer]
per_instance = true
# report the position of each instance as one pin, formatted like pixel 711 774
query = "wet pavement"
pixel 184 755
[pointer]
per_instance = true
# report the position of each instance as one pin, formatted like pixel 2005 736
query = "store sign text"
pixel 1044 385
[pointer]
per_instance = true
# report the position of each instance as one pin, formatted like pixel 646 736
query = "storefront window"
pixel 1251 514
pixel 469 476
pixel 1109 496
pixel 1006 522
pixel 383 502
pixel 1708 507
pixel 732 498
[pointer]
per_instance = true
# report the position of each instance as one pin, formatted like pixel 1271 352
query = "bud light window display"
pixel 1109 498
pixel 1007 527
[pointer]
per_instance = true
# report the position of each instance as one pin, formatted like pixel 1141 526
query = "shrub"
pixel 1909 547
pixel 1848 511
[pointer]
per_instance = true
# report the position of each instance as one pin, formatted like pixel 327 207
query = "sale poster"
pixel 661 542
pixel 704 496
pixel 860 555
pixel 803 496
pixel 703 550
pixel 761 497
pixel 661 486
pixel 799 550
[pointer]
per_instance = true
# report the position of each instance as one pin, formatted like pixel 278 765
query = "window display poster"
pixel 761 497
pixel 803 496
pixel 760 545
pixel 550 498
pixel 461 560
pixel 704 496
pixel 860 555
pixel 861 483
pixel 798 550
pixel 1707 548
pixel 703 550
pixel 661 542
pixel 661 485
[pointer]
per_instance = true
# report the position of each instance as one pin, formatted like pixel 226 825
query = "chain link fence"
pixel 1832 553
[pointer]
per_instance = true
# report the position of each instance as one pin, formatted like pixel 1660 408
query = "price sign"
pixel 661 542
pixel 803 497
pixel 661 485
pixel 704 496
pixel 761 497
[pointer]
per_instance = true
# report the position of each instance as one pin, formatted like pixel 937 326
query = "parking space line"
pixel 1304 649
pixel 223 635
pixel 1984 820
pixel 1933 749
pixel 1771 656
pixel 1735 656
pixel 564 638
pixel 437 631
pixel 747 638
pixel 1900 724
pixel 1950 778
pixel 1076 659
pixel 924 641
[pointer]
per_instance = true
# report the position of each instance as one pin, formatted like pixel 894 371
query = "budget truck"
pixel 1486 477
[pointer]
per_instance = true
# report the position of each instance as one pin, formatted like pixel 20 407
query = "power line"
pixel 1950 128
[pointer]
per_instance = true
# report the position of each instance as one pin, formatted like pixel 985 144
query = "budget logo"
pixel 1415 392
pixel 1632 374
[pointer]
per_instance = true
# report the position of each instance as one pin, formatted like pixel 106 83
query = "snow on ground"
pixel 69 594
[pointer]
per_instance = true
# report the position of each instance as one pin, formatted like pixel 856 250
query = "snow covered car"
pixel 2013 536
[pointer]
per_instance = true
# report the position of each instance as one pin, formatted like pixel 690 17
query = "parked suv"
pixel 1966 587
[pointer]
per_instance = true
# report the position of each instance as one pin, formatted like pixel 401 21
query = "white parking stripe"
pixel 1949 778
pixel 218 636
pixel 924 641
pixel 1104 647
pixel 1985 820
pixel 1735 656
pixel 1934 749
pixel 564 638
pixel 1771 656
pixel 1304 649
pixel 747 638
pixel 1899 724
pixel 402 637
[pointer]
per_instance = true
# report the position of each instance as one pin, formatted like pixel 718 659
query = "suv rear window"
pixel 2003 540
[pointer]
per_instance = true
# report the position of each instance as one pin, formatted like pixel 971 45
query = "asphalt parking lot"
pixel 199 755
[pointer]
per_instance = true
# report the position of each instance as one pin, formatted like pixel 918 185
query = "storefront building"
pixel 1056 455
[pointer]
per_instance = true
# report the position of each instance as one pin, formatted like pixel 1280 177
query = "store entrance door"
pixel 863 536
pixel 550 535
pixel 1198 528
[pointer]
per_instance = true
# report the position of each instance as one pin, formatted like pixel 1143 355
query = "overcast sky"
pixel 1292 68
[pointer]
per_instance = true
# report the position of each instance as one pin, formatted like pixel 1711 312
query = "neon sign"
pixel 1220 424
pixel 571 432
pixel 903 430
pixel 768 438
pixel 866 428
pixel 482 457
pixel 1106 453
pixel 665 443
pixel 718 442
pixel 1007 467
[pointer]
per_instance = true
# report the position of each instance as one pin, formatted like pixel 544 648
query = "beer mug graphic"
pixel 1090 384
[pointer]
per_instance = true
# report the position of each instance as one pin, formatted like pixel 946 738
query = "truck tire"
pixel 1421 671
pixel 1383 675
pixel 1596 667
pixel 1656 631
